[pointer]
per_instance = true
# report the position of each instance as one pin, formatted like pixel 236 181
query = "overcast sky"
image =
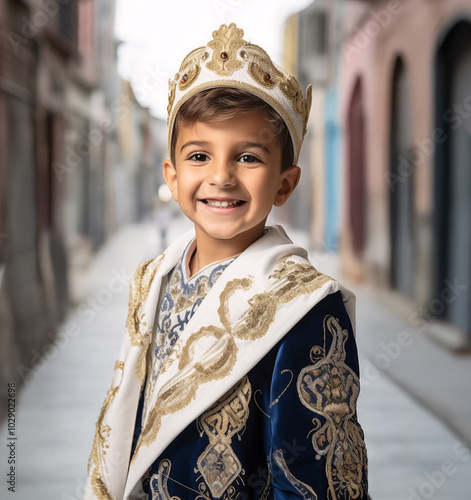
pixel 157 34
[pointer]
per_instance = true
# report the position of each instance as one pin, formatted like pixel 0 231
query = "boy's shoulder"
pixel 145 272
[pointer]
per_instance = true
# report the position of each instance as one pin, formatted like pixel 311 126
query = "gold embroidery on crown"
pixel 190 69
pixel 227 53
pixel 172 87
pixel 227 40
pixel 261 68
pixel 290 87
pixel 266 74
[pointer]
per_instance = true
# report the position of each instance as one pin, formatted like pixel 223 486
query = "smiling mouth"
pixel 223 204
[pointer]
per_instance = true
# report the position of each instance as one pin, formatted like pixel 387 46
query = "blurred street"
pixel 412 453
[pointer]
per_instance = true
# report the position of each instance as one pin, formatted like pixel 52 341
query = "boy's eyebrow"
pixel 200 144
pixel 246 144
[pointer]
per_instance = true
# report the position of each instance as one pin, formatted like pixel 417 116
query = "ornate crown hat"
pixel 229 61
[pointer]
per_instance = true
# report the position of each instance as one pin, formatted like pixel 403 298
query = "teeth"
pixel 221 204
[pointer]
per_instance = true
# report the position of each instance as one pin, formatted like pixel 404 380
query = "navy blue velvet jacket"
pixel 288 429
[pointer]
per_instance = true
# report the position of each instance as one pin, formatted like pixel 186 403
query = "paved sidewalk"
pixel 412 454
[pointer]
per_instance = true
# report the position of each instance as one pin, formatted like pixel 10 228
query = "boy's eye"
pixel 248 159
pixel 199 157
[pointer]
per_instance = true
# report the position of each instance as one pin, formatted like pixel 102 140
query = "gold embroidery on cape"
pixel 210 353
pixel 100 441
pixel 218 464
pixel 291 281
pixel 306 491
pixel 229 290
pixel 197 366
pixel 330 388
pixel 226 42
pixel 140 286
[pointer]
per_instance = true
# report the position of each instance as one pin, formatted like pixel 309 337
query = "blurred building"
pixel 312 51
pixel 388 152
pixel 406 105
pixel 61 108
pixel 142 148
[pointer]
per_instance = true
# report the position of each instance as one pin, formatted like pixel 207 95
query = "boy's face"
pixel 228 176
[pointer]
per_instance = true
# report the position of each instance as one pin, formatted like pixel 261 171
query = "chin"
pixel 221 235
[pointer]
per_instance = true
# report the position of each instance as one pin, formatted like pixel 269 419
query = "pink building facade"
pixel 406 106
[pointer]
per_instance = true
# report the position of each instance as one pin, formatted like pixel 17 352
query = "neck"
pixel 209 250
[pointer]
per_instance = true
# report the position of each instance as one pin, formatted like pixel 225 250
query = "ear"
pixel 289 180
pixel 170 177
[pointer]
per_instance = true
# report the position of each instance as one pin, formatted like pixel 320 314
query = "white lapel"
pixel 109 459
pixel 236 325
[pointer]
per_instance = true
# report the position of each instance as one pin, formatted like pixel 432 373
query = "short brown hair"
pixel 222 103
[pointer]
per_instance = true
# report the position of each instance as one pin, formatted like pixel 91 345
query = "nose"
pixel 222 173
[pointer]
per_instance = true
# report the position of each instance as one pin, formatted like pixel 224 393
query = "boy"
pixel 238 375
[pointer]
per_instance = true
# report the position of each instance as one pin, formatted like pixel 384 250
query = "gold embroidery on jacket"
pixel 330 388
pixel 158 482
pixel 277 399
pixel 306 491
pixel 268 486
pixel 259 391
pixel 218 464
pixel 102 435
pixel 210 353
pixel 182 300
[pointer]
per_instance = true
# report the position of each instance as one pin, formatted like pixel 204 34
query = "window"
pixel 317 33
pixel 67 18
